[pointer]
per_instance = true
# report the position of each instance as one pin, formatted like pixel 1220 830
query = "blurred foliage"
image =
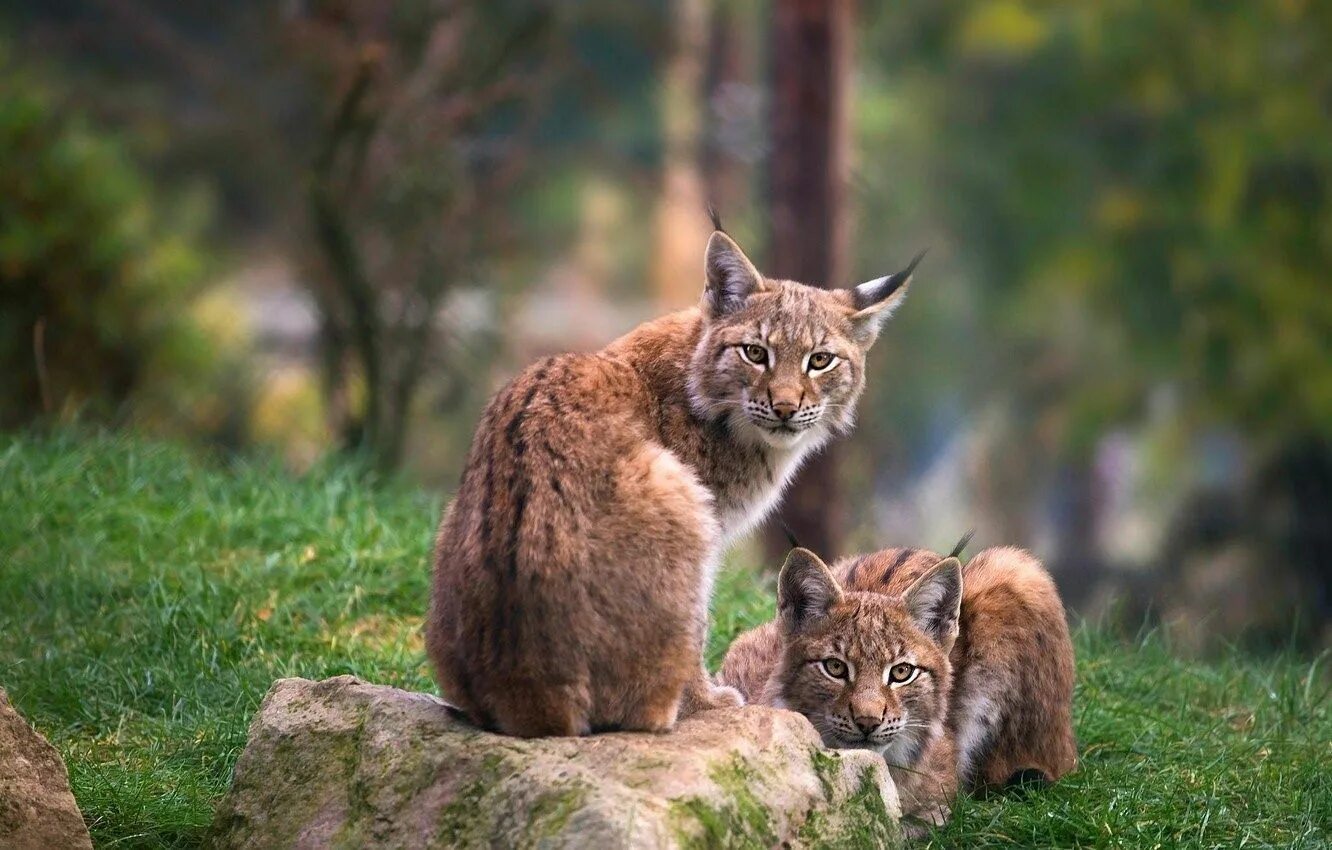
pixel 1143 195
pixel 1128 321
pixel 1129 206
pixel 1132 197
pixel 97 278
pixel 460 118
pixel 431 109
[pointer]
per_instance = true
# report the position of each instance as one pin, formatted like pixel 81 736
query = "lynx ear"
pixel 935 601
pixel 806 590
pixel 731 277
pixel 877 299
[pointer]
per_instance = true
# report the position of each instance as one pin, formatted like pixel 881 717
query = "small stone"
pixel 342 763
pixel 37 809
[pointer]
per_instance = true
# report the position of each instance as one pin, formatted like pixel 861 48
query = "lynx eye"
pixel 834 667
pixel 821 360
pixel 900 674
pixel 756 354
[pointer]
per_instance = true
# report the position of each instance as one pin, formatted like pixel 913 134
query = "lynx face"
pixel 867 670
pixel 783 363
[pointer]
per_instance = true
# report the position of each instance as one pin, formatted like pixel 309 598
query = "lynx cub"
pixel 573 569
pixel 958 675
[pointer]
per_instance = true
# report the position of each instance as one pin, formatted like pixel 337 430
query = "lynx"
pixel 962 677
pixel 573 569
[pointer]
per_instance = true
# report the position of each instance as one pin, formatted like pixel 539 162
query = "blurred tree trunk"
pixel 808 176
pixel 681 226
pixel 351 295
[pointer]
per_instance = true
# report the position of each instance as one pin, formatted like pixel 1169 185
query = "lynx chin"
pixel 574 567
pixel 961 676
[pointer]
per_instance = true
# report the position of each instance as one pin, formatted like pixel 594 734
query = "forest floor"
pixel 150 595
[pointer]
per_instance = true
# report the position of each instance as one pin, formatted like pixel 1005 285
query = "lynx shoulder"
pixel 961 676
pixel 573 568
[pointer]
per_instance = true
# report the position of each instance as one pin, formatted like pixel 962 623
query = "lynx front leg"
pixel 702 694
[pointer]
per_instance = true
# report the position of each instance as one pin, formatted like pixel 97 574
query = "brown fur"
pixel 993 701
pixel 573 569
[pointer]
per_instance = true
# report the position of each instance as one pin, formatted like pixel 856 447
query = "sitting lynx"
pixel 958 675
pixel 573 569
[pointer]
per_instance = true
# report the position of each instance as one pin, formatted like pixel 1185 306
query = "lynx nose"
pixel 867 724
pixel 784 409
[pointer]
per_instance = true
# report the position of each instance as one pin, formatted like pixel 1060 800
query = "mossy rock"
pixel 342 763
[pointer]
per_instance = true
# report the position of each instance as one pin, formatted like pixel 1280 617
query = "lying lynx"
pixel 574 568
pixel 957 675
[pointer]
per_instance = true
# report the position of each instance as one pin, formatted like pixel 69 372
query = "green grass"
pixel 148 598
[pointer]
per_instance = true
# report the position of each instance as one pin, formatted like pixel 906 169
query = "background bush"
pixel 99 278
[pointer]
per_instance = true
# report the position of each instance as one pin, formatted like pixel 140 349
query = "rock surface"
pixel 341 763
pixel 37 809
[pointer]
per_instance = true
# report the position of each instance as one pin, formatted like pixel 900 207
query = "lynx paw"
pixel 920 824
pixel 706 696
pixel 724 696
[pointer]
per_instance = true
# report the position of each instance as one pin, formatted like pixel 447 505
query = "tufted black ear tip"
pixel 962 544
pixel 716 218
pixel 915 261
pixel 879 290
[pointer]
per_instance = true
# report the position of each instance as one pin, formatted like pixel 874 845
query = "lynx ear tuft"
pixel 877 299
pixel 716 218
pixel 806 590
pixel 935 601
pixel 731 277
pixel 962 544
